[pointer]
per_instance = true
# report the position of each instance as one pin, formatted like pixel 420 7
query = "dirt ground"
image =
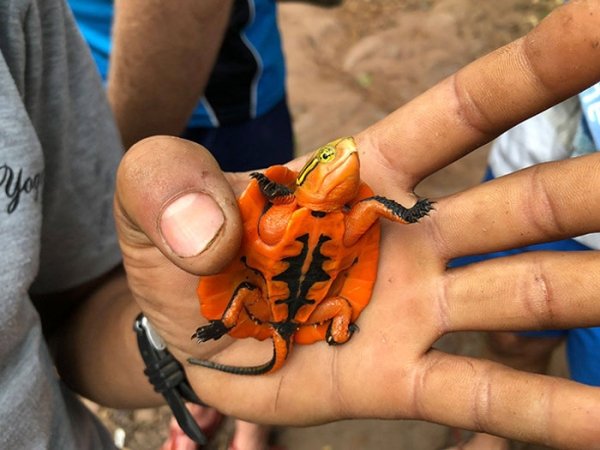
pixel 348 67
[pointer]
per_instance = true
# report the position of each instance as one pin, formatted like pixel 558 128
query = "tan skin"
pixel 163 53
pixel 147 97
pixel 518 352
pixel 388 369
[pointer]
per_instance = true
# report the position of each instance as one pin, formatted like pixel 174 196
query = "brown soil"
pixel 348 67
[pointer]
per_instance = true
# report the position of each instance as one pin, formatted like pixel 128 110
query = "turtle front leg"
pixel 274 221
pixel 216 329
pixel 276 193
pixel 366 212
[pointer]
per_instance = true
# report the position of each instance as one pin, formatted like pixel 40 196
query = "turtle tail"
pixel 281 349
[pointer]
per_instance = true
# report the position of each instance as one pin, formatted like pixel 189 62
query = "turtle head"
pixel 331 177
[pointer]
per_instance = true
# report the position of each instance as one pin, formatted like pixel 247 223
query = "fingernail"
pixel 190 223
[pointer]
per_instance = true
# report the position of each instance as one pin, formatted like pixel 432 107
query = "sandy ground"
pixel 349 66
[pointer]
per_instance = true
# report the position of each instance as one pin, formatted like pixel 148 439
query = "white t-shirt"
pixel 552 135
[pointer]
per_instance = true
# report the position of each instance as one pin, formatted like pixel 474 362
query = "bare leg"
pixel 247 435
pixel 250 436
pixel 208 419
pixel 482 441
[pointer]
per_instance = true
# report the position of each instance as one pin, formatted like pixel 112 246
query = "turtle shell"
pixel 298 274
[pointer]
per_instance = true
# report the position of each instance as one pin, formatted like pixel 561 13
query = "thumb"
pixel 172 195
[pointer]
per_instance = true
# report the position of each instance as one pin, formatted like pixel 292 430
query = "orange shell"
pixel 352 270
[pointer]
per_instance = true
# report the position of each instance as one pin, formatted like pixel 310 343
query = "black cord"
pixel 166 374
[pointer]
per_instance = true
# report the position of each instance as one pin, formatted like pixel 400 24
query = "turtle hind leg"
pixel 281 349
pixel 336 311
pixel 244 293
pixel 274 192
pixel 331 338
pixel 216 329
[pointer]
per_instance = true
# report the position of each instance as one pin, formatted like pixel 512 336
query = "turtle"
pixel 308 259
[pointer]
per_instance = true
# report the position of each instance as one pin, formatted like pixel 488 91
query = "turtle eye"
pixel 327 154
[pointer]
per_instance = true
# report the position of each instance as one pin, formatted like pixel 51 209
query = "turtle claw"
pixel 216 329
pixel 422 207
pixel 407 215
pixel 330 339
pixel 275 192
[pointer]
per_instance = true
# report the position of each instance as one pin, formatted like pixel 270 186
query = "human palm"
pixel 389 369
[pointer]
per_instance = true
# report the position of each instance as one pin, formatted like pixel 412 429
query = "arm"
pixel 95 348
pixel 416 299
pixel 163 54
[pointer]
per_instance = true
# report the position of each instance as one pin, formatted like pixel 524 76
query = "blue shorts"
pixel 253 144
pixel 583 344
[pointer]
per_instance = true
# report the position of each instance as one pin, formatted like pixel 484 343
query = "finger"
pixel 172 195
pixel 542 203
pixel 537 290
pixel 485 396
pixel 556 60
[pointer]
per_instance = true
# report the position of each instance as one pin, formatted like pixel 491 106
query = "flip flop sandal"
pixel 176 433
pixel 270 447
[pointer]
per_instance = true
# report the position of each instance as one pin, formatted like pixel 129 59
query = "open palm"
pixel 388 369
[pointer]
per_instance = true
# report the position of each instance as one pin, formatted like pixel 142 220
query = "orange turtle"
pixel 308 260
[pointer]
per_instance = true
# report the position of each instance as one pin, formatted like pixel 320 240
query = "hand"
pixel 388 369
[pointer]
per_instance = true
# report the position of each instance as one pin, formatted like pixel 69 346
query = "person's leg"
pixel 530 351
pixel 249 436
pixel 482 441
pixel 208 419
pixel 254 144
